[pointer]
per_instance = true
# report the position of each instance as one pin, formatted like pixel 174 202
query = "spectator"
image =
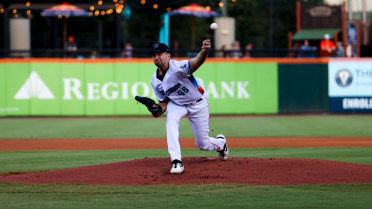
pixel 294 51
pixel 327 47
pixel 306 50
pixel 248 49
pixel 70 46
pixel 340 49
pixel 235 49
pixel 127 53
pixel 94 54
pixel 225 51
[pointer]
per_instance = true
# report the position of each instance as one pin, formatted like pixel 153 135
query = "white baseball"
pixel 214 26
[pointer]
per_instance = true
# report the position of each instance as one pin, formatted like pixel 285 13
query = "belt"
pixel 194 102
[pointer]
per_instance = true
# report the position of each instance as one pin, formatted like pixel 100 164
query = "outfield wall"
pixel 106 87
pixel 303 87
pixel 59 87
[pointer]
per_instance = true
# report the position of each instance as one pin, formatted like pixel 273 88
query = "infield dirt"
pixel 201 170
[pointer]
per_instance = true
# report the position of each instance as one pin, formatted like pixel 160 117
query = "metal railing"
pixel 144 53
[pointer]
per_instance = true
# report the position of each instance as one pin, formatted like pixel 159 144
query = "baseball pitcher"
pixel 181 94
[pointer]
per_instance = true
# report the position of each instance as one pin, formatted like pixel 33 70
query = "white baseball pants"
pixel 198 114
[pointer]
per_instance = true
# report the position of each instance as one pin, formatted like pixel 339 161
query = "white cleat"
pixel 224 153
pixel 177 166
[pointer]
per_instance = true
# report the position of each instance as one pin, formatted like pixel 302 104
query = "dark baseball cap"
pixel 159 48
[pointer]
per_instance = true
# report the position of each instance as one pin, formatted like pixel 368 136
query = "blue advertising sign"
pixel 350 85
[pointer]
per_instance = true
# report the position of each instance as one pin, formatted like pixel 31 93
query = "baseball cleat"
pixel 177 166
pixel 224 153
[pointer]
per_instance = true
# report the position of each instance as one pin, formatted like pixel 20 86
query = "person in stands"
pixel 327 47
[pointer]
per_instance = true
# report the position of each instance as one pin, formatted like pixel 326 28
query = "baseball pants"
pixel 198 114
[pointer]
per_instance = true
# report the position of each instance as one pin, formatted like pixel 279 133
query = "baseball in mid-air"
pixel 214 26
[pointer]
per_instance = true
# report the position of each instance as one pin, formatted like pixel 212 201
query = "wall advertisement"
pixel 350 85
pixel 108 88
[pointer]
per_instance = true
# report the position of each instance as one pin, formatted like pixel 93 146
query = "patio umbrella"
pixel 65 10
pixel 196 11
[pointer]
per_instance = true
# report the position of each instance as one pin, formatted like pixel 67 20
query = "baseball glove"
pixel 150 104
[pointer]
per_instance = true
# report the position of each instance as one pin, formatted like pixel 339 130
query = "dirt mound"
pixel 204 170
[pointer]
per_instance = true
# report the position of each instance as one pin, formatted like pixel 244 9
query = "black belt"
pixel 195 102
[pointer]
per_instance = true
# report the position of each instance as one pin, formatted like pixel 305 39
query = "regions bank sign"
pixel 350 85
pixel 90 89
pixel 35 88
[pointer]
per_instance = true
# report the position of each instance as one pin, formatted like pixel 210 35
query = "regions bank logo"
pixel 34 88
pixel 344 78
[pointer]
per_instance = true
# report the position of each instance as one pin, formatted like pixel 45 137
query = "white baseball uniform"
pixel 187 97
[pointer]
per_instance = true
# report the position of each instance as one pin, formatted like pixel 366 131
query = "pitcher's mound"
pixel 204 170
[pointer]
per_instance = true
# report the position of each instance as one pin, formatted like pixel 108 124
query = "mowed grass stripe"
pixel 147 127
pixel 184 196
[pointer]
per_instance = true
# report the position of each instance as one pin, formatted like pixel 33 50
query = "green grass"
pixel 146 127
pixel 17 195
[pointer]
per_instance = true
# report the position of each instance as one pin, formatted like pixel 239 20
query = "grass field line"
pixel 160 143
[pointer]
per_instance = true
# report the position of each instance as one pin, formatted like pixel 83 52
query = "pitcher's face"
pixel 161 59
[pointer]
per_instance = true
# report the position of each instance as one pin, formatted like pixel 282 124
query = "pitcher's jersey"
pixel 178 84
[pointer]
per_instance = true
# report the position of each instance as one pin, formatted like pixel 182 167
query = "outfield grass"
pixel 18 195
pixel 145 127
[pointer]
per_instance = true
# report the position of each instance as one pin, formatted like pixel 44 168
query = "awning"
pixel 315 34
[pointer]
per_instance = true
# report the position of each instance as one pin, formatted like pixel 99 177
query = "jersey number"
pixel 183 91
